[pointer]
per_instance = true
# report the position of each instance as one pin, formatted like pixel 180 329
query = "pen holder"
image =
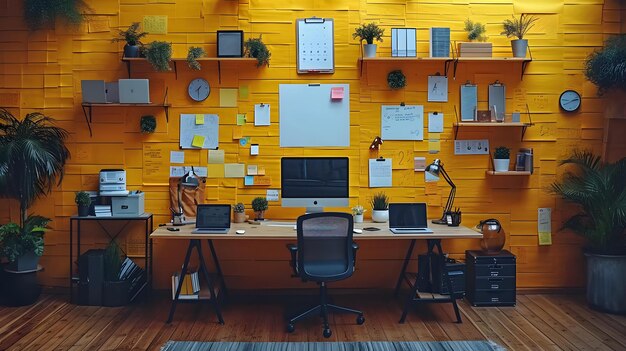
pixel 453 218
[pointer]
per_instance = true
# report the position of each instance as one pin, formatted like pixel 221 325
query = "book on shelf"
pixel 103 211
pixel 439 42
pixel 524 160
pixel 190 288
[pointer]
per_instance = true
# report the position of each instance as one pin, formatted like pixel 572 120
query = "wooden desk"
pixel 276 231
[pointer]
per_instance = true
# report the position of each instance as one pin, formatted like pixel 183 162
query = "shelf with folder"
pixel 129 60
pixel 87 109
pixel 445 60
pixel 508 173
pixel 522 125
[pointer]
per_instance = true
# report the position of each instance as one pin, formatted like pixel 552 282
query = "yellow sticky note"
pixel 237 133
pixel 243 92
pixel 234 170
pixel 434 146
pixel 198 141
pixel 216 156
pixel 260 171
pixel 262 180
pixel 155 24
pixel 215 170
pixel 434 136
pixel 228 97
pixel 241 119
pixel 199 118
pixel 545 238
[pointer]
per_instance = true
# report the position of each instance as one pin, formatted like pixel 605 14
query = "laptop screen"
pixel 213 216
pixel 407 215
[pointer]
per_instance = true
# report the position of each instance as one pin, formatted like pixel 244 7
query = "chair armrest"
pixel 355 247
pixel 293 250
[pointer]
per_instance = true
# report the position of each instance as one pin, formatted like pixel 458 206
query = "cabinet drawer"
pixel 494 270
pixel 492 298
pixel 495 283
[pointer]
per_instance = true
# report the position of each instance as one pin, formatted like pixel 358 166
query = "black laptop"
pixel 212 219
pixel 408 218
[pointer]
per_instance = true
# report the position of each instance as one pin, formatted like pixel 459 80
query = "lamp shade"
pixel 434 168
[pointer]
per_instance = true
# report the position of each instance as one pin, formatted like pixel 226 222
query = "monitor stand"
pixel 314 210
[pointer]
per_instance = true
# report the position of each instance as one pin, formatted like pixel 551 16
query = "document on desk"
pixel 380 173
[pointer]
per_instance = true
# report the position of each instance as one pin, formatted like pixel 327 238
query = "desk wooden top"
pixel 267 231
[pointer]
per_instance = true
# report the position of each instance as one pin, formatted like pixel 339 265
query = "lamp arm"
pixel 452 194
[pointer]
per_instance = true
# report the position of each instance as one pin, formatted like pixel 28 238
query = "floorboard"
pixel 538 322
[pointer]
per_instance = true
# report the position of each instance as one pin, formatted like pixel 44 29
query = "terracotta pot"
pixel 239 217
pixel 260 215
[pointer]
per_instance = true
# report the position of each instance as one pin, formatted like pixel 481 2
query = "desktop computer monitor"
pixel 314 182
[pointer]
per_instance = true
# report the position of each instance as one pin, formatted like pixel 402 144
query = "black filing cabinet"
pixel 490 278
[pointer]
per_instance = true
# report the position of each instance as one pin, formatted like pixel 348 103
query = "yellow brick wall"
pixel 42 70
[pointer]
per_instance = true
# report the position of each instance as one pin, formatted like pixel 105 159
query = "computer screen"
pixel 314 182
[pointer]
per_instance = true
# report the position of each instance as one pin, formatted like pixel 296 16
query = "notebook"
pixel 212 219
pixel 134 91
pixel 408 218
pixel 93 91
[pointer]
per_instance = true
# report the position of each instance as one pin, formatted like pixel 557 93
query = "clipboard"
pixel 315 45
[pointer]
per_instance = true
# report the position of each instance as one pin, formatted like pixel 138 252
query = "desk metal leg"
pixel 212 293
pixel 218 268
pixel 181 278
pixel 407 258
pixel 447 280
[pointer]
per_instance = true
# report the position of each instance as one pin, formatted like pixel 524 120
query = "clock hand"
pixel 570 101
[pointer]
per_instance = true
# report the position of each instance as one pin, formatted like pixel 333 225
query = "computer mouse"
pixel 357 231
pixel 240 231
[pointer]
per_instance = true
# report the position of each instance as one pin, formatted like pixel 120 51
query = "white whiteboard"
pixel 402 122
pixel 315 45
pixel 309 117
pixel 209 130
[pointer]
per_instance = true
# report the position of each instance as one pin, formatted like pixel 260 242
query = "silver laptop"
pixel 408 218
pixel 93 91
pixel 212 219
pixel 134 91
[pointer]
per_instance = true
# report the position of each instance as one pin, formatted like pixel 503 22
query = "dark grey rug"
pixel 334 346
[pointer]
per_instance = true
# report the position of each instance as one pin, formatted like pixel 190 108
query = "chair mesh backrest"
pixel 326 239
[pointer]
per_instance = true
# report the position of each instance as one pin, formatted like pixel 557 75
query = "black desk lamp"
pixel 435 169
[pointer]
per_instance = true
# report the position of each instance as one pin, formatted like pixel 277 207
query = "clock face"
pixel 569 100
pixel 199 89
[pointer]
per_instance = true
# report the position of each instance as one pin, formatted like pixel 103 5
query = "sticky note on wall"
pixel 198 141
pixel 155 24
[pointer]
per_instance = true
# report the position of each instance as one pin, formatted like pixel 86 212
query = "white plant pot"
pixel 358 218
pixel 501 165
pixel 380 216
pixel 369 50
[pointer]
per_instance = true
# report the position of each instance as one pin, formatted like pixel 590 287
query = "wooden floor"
pixel 538 322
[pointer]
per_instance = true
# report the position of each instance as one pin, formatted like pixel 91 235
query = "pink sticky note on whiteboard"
pixel 336 93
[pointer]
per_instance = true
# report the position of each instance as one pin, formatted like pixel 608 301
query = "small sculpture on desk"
pixel 493 236
pixel 259 205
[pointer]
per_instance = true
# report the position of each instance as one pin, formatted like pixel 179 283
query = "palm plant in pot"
pixel 368 32
pixel 599 191
pixel 518 27
pixel 380 207
pixel 259 205
pixel 83 200
pixel 501 159
pixel 132 36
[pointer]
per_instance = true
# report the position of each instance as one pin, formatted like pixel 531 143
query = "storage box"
pixel 129 206
pixel 472 49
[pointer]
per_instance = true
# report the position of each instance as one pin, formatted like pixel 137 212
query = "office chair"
pixel 324 253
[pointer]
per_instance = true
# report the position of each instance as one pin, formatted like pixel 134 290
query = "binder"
pixel 469 102
pixel 497 100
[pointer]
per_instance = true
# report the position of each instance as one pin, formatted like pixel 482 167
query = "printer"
pixel 113 182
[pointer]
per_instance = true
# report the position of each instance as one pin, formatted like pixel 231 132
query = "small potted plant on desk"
pixel 501 159
pixel 518 28
pixel 132 36
pixel 239 211
pixel 368 32
pixel 380 207
pixel 259 205
pixel 83 201
pixel 357 212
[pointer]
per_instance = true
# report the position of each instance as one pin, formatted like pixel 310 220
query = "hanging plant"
pixel 147 124
pixel 605 68
pixel 192 56
pixel 396 79
pixel 159 54
pixel 255 47
pixel 43 13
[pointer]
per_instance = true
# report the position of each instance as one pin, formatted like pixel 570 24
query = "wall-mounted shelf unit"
pixel 522 125
pixel 87 107
pixel 508 173
pixel 129 60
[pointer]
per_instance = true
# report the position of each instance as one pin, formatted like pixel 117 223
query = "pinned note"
pixel 544 225
pixel 215 170
pixel 228 97
pixel 234 170
pixel 434 146
pixel 271 194
pixel 216 156
pixel 336 93
pixel 241 119
pixel 243 92
pixel 254 149
pixel 248 180
pixel 253 170
pixel 199 118
pixel 198 141
pixel 261 171
pixel 435 122
pixel 155 24
pixel 419 164
pixel 262 115
pixel 177 157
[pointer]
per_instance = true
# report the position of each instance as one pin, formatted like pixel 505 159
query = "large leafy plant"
pixel 599 189
pixel 132 35
pixel 159 54
pixel 606 68
pixel 16 241
pixel 43 13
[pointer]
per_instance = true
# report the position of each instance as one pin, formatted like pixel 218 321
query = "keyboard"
pixel 210 231
pixel 411 230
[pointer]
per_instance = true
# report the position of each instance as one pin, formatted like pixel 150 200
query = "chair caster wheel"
pixel 290 328
pixel 327 332
pixel 360 320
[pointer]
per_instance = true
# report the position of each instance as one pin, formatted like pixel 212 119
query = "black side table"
pixel 148 222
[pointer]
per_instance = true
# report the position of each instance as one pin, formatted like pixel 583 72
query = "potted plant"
pixel 193 55
pixel 259 205
pixel 501 159
pixel 518 28
pixel 43 13
pixel 132 37
pixel 599 191
pixel 114 290
pixel 239 211
pixel 368 32
pixel 159 54
pixel 83 200
pixel 396 79
pixel 477 37
pixel 380 207
pixel 254 47
pixel 147 124
pixel 357 212
pixel 33 156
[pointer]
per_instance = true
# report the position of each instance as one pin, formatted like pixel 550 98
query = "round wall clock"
pixel 199 89
pixel 569 100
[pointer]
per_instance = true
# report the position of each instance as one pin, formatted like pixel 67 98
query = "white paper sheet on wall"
pixel 435 122
pixel 402 122
pixel 315 41
pixel 262 115
pixel 189 129
pixel 380 173
pixel 437 88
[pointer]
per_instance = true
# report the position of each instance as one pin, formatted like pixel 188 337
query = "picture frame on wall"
pixel 229 43
pixel 403 42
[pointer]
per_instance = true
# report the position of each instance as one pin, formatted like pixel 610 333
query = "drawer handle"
pixel 495 279
pixel 495 266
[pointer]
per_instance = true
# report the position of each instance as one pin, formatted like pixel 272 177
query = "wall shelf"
pixel 508 173
pixel 445 60
pixel 129 60
pixel 87 107
pixel 522 125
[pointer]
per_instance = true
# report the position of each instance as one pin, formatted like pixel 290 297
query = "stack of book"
pixel 475 49
pixel 136 275
pixel 439 42
pixel 524 160
pixel 103 210
pixel 190 290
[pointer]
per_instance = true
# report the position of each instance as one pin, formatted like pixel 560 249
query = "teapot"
pixel 493 236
